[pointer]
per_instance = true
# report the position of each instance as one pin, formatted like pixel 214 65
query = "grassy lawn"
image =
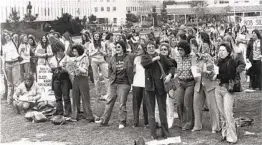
pixel 15 127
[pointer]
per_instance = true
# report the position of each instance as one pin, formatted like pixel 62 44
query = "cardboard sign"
pixel 252 23
pixel 44 79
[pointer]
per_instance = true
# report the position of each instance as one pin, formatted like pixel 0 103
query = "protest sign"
pixel 252 23
pixel 44 80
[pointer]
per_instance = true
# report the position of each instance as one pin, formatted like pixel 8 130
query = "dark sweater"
pixel 153 73
pixel 227 70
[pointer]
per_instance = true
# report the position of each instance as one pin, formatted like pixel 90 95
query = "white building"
pixel 107 11
pixel 47 10
pixel 142 6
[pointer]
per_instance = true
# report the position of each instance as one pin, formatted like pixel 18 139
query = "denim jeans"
pixel 225 101
pixel 121 91
pixel 12 71
pixel 25 68
pixel 81 91
pixel 199 101
pixel 103 67
pixel 171 108
pixel 185 93
pixel 61 89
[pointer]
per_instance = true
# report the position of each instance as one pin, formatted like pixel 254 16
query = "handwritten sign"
pixel 252 22
pixel 44 80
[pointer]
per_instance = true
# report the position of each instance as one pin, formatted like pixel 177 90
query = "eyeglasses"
pixel 180 49
pixel 163 49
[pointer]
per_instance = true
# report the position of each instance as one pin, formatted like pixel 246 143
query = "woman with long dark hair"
pixel 61 83
pixel 139 87
pixel 254 56
pixel 97 52
pixel 33 58
pixel 43 51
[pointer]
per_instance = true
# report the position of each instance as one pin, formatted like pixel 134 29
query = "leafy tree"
pixel 12 23
pixel 200 8
pixel 92 19
pixel 164 16
pixel 131 18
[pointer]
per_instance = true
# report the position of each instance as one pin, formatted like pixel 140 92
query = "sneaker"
pixel 98 121
pixel 121 126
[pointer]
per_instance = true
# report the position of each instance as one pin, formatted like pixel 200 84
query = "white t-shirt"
pixel 139 78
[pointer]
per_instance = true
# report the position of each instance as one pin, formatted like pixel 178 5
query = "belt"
pixel 186 80
pixel 14 61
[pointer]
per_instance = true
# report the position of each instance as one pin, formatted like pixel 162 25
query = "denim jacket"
pixel 129 64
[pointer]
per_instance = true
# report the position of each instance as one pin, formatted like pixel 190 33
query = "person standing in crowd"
pixel 254 56
pixel 33 58
pixel 139 87
pixel 97 53
pixel 61 83
pixel 11 65
pixel 185 90
pixel 224 97
pixel 68 42
pixel 24 51
pixel 43 51
pixel 121 77
pixel 81 85
pixel 110 46
pixel 15 39
pixel 204 90
pixel 85 43
pixel 154 87
pixel 170 101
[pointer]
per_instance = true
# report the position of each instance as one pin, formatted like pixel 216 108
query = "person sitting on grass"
pixel 26 95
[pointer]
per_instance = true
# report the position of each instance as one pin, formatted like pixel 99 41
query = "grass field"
pixel 15 127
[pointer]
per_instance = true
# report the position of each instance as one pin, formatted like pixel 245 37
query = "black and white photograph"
pixel 131 72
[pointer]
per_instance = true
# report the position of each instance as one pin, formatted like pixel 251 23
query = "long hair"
pixel 97 43
pixel 67 36
pixel 44 44
pixel 87 38
pixel 33 39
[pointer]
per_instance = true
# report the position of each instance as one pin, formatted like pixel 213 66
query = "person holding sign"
pixel 81 85
pixel 61 83
pixel 27 94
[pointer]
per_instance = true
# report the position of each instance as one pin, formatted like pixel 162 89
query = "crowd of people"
pixel 205 66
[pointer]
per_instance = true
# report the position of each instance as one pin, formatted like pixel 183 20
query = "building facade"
pixel 106 11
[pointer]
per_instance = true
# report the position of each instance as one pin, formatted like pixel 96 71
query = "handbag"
pixel 172 84
pixel 234 85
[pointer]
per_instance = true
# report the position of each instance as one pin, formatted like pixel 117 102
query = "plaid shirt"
pixel 184 67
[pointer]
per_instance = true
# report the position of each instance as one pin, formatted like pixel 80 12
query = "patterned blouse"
pixel 184 67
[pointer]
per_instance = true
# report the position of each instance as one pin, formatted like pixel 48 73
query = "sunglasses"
pixel 119 47
pixel 164 49
pixel 180 49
